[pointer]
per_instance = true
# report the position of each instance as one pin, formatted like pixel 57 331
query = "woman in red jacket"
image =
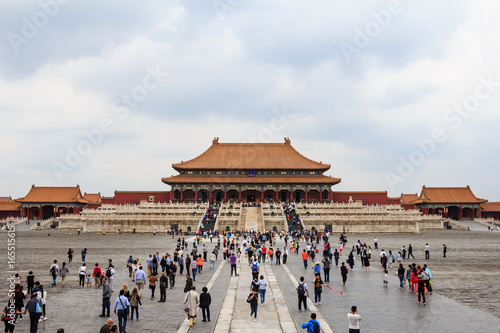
pixel 421 288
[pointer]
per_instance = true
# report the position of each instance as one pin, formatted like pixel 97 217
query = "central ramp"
pixel 251 217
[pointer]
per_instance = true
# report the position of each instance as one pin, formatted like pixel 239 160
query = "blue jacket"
pixel 309 325
pixel 317 269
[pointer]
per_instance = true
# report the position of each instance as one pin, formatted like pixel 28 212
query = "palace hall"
pixel 250 172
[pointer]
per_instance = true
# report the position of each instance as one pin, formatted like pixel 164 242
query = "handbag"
pixel 125 309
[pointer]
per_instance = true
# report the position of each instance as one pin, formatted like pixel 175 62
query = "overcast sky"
pixel 393 94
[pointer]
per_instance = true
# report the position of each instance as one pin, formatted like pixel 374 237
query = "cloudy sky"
pixel 393 94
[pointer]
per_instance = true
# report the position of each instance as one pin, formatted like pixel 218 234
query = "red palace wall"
pixel 495 215
pixel 370 198
pixel 129 197
pixel 5 214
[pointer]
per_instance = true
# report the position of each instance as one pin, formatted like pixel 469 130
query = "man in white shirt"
pixel 303 293
pixel 354 319
pixel 427 251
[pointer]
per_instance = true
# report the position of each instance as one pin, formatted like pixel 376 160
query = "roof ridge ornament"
pixel 216 140
pixel 287 141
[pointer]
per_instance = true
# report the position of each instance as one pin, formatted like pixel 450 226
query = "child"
pixel 386 278
pixel 89 280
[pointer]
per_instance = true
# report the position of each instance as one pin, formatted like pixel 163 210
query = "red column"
pixel 479 212
pixel 460 213
pixel 261 196
pixel 182 196
pixel 28 213
pixel 277 192
pixel 239 196
pixel 305 196
pixel 320 198
pixel 195 195
pixel 225 196
pixel 40 215
pixel 330 195
pixel 210 196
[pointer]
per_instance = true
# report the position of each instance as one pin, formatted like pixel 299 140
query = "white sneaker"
pixel 262 304
pixel 45 318
pixel 255 320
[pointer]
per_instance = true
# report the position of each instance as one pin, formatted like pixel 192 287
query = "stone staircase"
pixel 260 221
pixel 249 218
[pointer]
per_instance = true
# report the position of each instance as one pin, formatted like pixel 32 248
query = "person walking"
pixel 354 318
pixel 140 280
pixel 106 297
pixel 163 287
pixel 152 284
pixel 42 296
pixel 326 269
pixel 410 252
pixel 253 299
pixel 84 254
pixel 205 301
pixel 285 255
pixel 54 271
pixel 318 289
pixel 401 275
pixel 420 288
pixel 444 250
pixel 189 283
pixel 172 271
pixel 303 293
pixel 64 273
pixel 19 298
pixel 82 273
pixel 350 260
pixel 343 272
pixel 135 301
pixel 121 309
pixel 70 256
pixel 191 300
pixel 34 307
pixel 317 268
pixel 312 325
pixel 255 268
pixel 30 282
pixel 336 255
pixel 194 268
pixel 262 289
pixel 304 258
pixel 427 276
pixel 97 276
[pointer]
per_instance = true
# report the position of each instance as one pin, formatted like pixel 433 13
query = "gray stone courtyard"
pixel 465 297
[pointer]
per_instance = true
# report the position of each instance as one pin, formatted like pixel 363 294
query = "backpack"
pixel 133 301
pixel 301 290
pixel 316 327
pixel 108 273
pixel 53 270
pixel 98 273
pixel 254 267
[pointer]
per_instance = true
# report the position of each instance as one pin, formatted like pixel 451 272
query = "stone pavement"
pixel 382 309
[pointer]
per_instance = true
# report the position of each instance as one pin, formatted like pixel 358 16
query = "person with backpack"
pixel 97 276
pixel 54 271
pixel 312 325
pixel 303 293
pixel 34 307
pixel 109 275
pixel 255 268
pixel 135 301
